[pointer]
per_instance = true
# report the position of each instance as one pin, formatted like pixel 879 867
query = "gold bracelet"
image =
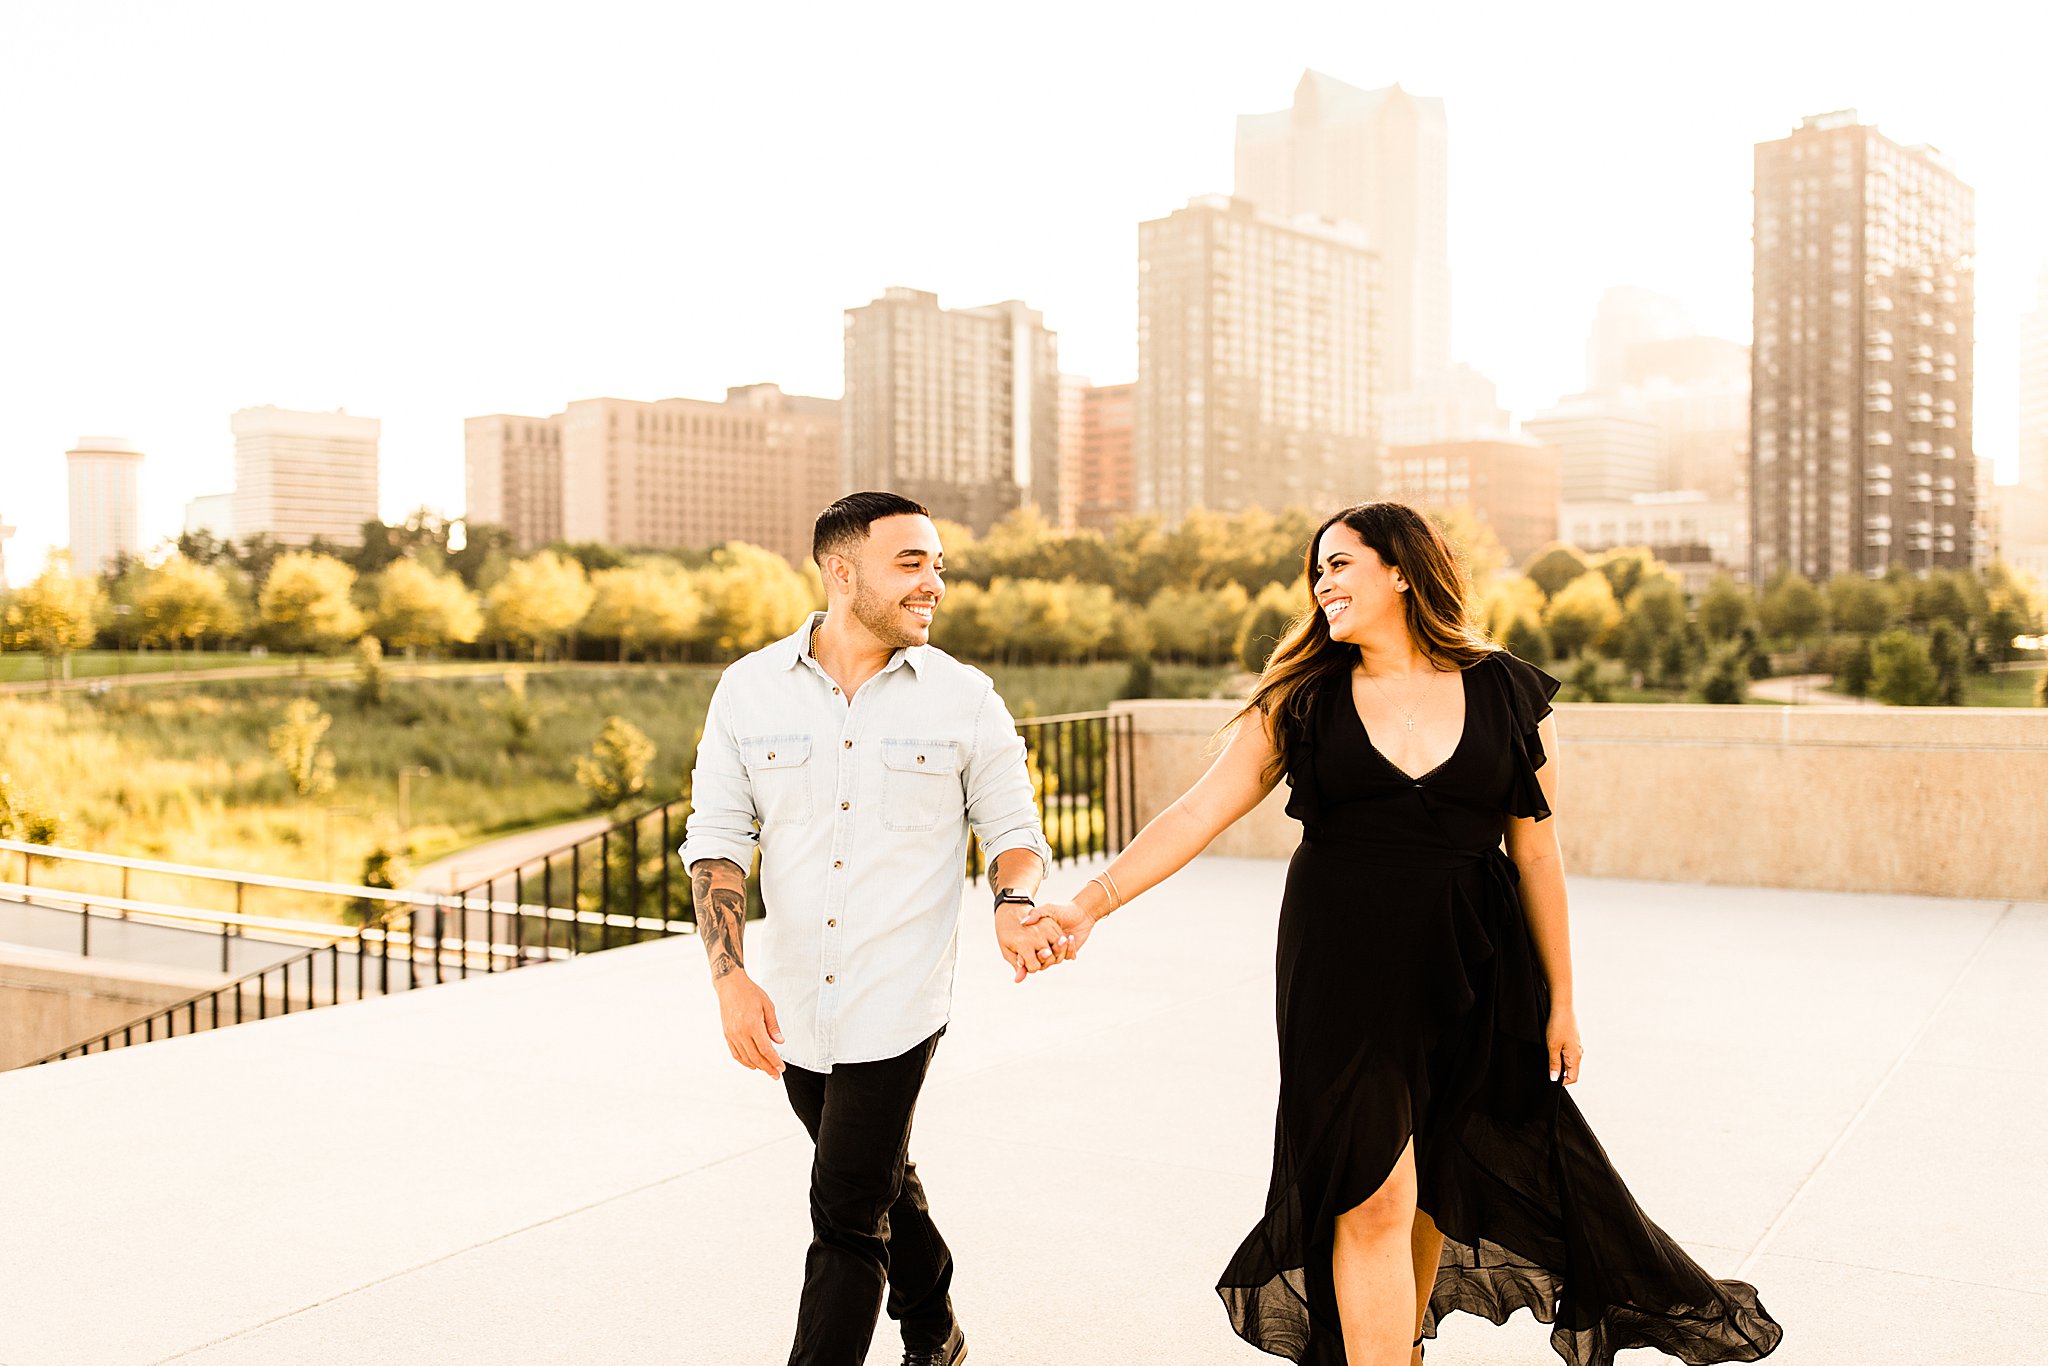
pixel 1109 890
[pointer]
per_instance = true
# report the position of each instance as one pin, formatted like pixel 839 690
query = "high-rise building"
pixel 1379 158
pixel 1860 404
pixel 1629 316
pixel 1696 536
pixel 512 476
pixel 106 502
pixel 1509 485
pixel 302 476
pixel 1104 474
pixel 1073 398
pixel 957 408
pixel 1697 390
pixel 1608 446
pixel 211 514
pixel 1458 404
pixel 685 473
pixel 2026 503
pixel 1257 363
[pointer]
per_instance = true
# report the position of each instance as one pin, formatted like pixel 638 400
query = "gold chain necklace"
pixel 1408 714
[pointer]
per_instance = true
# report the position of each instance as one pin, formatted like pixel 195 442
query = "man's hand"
pixel 749 1019
pixel 1029 947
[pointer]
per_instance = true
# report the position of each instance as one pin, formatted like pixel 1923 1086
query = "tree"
pixel 2041 689
pixel 56 615
pixel 182 601
pixel 1581 614
pixel 643 606
pixel 1792 608
pixel 1725 609
pixel 1627 567
pixel 1857 669
pixel 1476 545
pixel 369 673
pixel 297 741
pixel 751 597
pixel 1858 604
pixel 540 599
pixel 1949 652
pixel 1901 671
pixel 1555 567
pixel 1726 680
pixel 959 627
pixel 1653 613
pixel 418 609
pixel 2011 609
pixel 305 603
pixel 1274 610
pixel 1195 625
pixel 616 768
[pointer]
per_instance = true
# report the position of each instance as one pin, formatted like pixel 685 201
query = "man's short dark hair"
pixel 845 524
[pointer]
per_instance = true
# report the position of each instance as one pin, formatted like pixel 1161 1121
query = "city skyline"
pixel 331 254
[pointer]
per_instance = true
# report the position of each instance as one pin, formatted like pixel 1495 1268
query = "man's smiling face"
pixel 896 580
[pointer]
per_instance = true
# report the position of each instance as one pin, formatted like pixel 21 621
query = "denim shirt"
pixel 862 814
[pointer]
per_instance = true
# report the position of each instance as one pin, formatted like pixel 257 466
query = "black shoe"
pixel 952 1354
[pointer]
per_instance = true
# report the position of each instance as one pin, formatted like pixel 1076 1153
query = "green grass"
pixel 2011 688
pixel 17 667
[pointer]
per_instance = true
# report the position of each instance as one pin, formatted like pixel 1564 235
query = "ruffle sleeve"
pixel 1528 690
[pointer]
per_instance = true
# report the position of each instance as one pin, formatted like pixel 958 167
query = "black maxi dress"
pixel 1411 1004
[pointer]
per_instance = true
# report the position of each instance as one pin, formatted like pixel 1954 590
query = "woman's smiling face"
pixel 1354 587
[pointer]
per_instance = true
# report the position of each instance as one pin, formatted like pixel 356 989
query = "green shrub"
pixel 1725 681
pixel 1901 671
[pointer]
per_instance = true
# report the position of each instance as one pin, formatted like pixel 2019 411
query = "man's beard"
pixel 883 619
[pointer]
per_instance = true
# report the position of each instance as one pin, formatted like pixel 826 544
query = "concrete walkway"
pixel 1805 689
pixel 1844 1097
pixel 464 867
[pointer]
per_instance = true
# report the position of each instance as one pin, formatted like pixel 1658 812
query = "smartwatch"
pixel 1010 896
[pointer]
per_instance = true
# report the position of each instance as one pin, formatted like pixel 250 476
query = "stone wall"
pixel 50 1001
pixel 1914 800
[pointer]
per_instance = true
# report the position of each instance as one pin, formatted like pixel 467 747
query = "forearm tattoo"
pixel 718 891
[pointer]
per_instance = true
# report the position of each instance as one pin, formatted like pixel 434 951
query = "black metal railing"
pixel 1081 776
pixel 620 886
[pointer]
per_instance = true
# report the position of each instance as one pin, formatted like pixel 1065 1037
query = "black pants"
pixel 869 1222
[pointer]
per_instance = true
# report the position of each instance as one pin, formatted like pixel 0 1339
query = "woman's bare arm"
pixel 1532 844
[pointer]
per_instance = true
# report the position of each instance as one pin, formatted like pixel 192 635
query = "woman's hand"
pixel 1562 1037
pixel 1030 945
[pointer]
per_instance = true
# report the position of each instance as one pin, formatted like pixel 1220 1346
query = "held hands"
pixel 1031 940
pixel 748 1016
pixel 1043 936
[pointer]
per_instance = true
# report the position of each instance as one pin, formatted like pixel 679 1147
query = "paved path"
pixel 1845 1098
pixel 1806 688
pixel 464 867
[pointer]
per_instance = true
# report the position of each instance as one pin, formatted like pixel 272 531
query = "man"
pixel 857 756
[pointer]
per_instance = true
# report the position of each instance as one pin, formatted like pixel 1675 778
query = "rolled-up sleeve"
pixel 999 801
pixel 723 822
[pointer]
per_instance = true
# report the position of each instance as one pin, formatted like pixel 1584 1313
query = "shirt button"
pixel 848 744
pixel 920 758
pixel 771 754
pixel 829 979
pixel 838 863
pixel 832 924
pixel 845 805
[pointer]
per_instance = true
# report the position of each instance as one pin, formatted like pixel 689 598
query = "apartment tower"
pixel 304 476
pixel 106 503
pixel 957 408
pixel 1860 394
pixel 1378 158
pixel 1258 372
pixel 512 476
pixel 684 473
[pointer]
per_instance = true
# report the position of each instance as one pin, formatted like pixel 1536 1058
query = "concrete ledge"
pixel 1941 801
pixel 51 1000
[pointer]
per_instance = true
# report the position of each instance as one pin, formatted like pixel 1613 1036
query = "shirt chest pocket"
pixel 920 784
pixel 779 771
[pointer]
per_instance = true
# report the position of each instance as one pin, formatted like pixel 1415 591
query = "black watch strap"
pixel 1010 896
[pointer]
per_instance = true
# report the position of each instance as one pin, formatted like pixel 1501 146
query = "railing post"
pixel 633 876
pixel 664 867
pixel 85 931
pixel 519 924
pixel 604 889
pixel 575 899
pixel 223 946
pixel 547 905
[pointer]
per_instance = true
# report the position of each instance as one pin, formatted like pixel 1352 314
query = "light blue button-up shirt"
pixel 862 813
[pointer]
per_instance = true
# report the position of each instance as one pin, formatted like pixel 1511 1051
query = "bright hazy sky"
pixel 424 211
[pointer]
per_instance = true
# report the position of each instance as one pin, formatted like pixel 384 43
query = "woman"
pixel 1427 1158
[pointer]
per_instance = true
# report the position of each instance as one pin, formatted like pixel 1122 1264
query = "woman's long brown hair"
pixel 1437 605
